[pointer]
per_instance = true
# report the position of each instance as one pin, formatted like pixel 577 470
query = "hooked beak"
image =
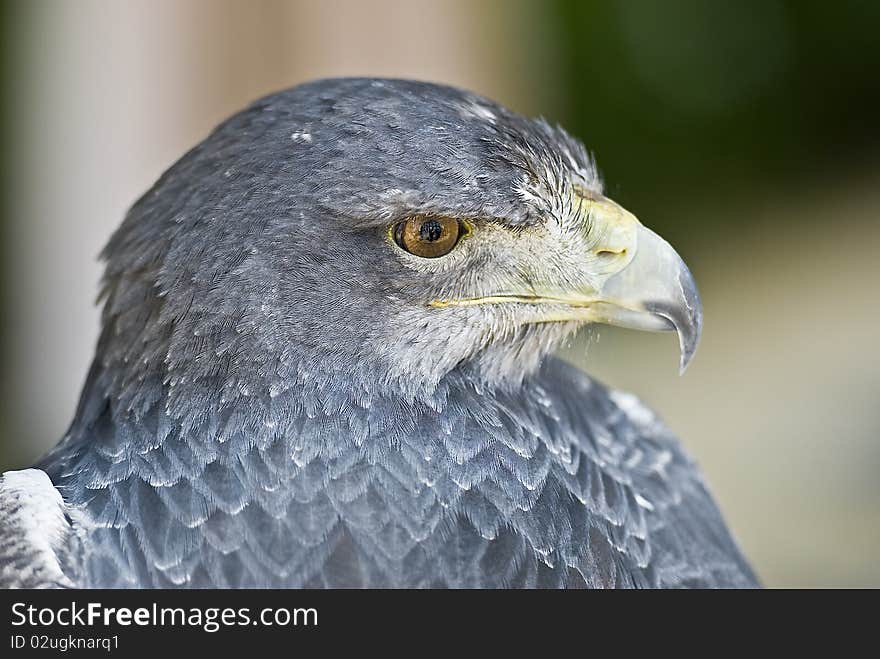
pixel 654 291
pixel 648 286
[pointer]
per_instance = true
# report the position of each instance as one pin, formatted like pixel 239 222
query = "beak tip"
pixel 687 355
pixel 686 320
pixel 689 332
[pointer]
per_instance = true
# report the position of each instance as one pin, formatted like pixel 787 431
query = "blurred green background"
pixel 744 132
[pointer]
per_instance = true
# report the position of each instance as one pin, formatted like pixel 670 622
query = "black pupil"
pixel 430 230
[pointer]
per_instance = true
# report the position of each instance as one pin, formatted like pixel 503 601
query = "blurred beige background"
pixel 781 403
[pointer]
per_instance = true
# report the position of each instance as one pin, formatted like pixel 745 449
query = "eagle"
pixel 326 360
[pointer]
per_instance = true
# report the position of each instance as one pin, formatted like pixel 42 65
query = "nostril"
pixel 609 253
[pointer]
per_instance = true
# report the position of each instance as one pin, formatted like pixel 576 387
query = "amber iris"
pixel 428 236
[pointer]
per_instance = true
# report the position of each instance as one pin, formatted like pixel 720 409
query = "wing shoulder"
pixel 36 532
pixel 688 540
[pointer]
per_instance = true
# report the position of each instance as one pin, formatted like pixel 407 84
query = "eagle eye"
pixel 428 236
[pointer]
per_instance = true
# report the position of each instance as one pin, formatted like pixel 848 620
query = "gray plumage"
pixel 273 402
